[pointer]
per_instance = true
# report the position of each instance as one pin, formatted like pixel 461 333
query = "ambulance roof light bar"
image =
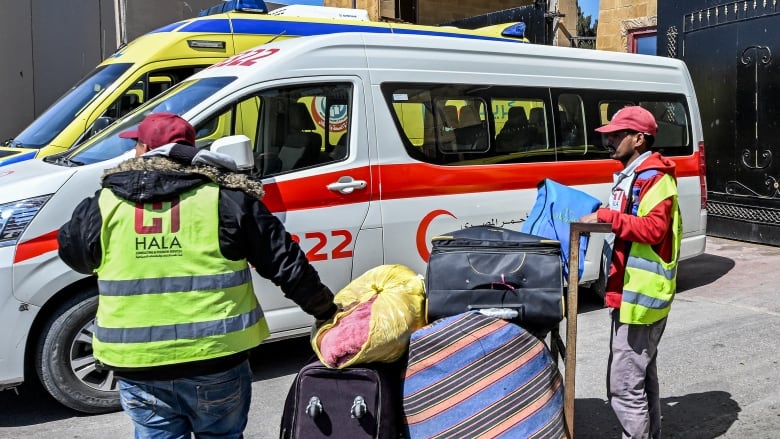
pixel 256 6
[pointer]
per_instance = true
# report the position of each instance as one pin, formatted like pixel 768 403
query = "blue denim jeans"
pixel 210 406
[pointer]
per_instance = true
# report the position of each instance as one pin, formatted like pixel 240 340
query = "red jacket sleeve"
pixel 650 229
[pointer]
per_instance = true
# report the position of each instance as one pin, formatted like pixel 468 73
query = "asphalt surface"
pixel 718 363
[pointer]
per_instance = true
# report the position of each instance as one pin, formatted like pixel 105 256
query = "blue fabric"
pixel 471 375
pixel 556 207
pixel 210 406
pixel 642 176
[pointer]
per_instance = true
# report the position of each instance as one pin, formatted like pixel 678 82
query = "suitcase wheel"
pixel 358 407
pixel 314 407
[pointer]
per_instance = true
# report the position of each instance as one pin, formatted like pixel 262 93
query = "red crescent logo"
pixel 422 232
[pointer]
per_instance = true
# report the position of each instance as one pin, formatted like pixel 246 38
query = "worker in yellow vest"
pixel 642 251
pixel 170 236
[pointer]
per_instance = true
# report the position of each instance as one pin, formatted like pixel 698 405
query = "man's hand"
pixel 590 218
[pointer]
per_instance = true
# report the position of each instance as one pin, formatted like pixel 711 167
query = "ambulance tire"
pixel 64 359
pixel 599 286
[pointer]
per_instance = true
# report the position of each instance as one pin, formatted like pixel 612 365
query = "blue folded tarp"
pixel 556 207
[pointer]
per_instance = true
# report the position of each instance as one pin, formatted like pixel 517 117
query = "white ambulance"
pixel 367 145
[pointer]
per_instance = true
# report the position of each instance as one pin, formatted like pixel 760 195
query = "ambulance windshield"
pixel 43 129
pixel 179 99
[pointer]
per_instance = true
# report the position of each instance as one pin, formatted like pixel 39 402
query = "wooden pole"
pixel 570 357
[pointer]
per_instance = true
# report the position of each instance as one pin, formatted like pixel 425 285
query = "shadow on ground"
pixel 701 270
pixel 32 406
pixel 280 358
pixel 704 415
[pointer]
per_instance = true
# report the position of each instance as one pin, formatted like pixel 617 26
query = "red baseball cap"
pixel 633 118
pixel 160 129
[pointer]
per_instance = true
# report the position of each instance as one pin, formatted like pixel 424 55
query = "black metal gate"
pixel 732 50
pixel 538 22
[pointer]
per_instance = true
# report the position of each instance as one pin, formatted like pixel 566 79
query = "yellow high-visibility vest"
pixel 650 282
pixel 167 295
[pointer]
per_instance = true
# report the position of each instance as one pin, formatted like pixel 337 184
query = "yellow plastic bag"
pixel 379 310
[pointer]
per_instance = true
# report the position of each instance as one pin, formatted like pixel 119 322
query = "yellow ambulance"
pixel 154 62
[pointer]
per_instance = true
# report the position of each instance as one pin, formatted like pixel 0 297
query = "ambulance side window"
pixel 481 124
pixel 240 118
pixel 520 123
pixel 290 128
pixel 304 127
pixel 468 124
pixel 674 136
pixel 574 136
pixel 146 87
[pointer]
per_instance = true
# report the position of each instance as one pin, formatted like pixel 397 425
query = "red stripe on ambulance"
pixel 36 247
pixel 399 181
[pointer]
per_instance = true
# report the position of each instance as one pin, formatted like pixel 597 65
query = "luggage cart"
pixel 568 351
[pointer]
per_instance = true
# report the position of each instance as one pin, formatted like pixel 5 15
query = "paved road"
pixel 718 363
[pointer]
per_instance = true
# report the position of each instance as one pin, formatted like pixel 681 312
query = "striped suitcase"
pixel 471 375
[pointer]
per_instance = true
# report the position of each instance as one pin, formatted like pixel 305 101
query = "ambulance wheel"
pixel 599 286
pixel 64 360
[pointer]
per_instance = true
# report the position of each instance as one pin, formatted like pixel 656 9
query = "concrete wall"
pixel 47 46
pixel 617 17
pixel 141 16
pixel 16 70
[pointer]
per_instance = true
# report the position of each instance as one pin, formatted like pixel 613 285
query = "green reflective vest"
pixel 167 295
pixel 650 283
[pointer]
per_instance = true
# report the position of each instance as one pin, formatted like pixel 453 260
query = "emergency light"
pixel 257 6
pixel 516 30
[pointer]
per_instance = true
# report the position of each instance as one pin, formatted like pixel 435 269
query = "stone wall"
pixel 617 17
pixel 567 23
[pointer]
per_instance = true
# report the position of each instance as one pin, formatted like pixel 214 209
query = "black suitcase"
pixel 490 267
pixel 361 401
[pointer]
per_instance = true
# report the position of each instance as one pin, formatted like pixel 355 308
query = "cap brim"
pixel 130 134
pixel 610 128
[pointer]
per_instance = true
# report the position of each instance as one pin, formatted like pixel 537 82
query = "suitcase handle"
pixel 314 407
pixel 358 408
pixel 500 311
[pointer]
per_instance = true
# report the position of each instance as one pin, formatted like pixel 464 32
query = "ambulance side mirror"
pixel 239 147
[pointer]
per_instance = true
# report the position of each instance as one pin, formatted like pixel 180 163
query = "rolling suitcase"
pixel 472 375
pixel 356 402
pixel 490 267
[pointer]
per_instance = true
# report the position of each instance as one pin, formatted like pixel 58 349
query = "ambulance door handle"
pixel 347 185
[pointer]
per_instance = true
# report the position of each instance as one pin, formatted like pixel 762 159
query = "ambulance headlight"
pixel 16 216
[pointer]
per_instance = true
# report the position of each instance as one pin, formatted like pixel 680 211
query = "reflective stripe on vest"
pixel 173 284
pixel 180 330
pixel 650 282
pixel 167 295
pixel 652 266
